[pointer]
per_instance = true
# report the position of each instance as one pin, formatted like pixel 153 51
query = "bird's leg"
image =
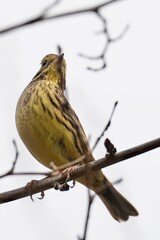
pixel 67 168
pixel 68 171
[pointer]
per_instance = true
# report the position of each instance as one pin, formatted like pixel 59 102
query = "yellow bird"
pixel 52 132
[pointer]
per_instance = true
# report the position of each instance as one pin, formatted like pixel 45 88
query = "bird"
pixel 52 132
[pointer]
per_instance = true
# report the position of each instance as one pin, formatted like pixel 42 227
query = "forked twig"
pixel 11 170
pixel 108 41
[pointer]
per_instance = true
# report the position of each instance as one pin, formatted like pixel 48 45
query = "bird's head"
pixel 53 68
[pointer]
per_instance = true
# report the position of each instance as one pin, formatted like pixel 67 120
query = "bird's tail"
pixel 119 207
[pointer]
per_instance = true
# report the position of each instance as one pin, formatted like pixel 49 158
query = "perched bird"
pixel 52 132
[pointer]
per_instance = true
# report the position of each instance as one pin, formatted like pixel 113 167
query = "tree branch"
pixel 50 182
pixel 43 16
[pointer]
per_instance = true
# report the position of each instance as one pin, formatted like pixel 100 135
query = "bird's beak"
pixel 60 57
pixel 59 60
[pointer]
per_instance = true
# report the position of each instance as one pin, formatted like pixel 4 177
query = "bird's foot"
pixel 30 187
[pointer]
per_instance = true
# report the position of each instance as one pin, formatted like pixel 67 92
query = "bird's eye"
pixel 44 63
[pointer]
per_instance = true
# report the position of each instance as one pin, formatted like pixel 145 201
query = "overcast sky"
pixel 131 77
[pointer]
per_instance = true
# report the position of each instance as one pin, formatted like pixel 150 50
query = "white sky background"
pixel 132 78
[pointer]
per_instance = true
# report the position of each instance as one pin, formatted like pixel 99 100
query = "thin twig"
pixel 108 41
pixel 91 198
pixel 106 127
pixel 58 169
pixel 49 7
pixel 14 174
pixel 50 182
pixel 11 170
pixel 16 156
pixel 101 56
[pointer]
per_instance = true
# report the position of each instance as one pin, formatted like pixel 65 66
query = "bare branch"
pixel 43 17
pixel 108 41
pixel 48 183
pixel 106 127
pixel 106 45
pixel 91 198
pixel 11 170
